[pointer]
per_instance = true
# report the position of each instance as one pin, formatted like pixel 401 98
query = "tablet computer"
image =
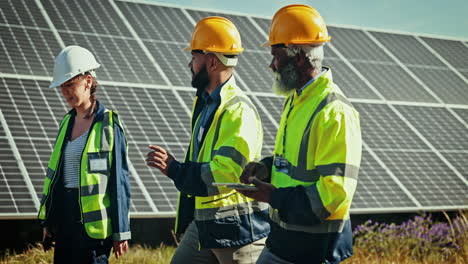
pixel 237 186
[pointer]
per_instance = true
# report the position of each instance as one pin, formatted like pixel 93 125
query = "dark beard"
pixel 286 79
pixel 201 79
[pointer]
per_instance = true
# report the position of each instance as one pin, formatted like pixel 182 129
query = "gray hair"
pixel 313 53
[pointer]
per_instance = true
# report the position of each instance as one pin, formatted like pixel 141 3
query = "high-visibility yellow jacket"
pixel 315 168
pixel 224 217
pixel 104 191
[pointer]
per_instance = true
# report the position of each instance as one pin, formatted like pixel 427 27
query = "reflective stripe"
pixel 97 215
pixel 286 102
pixel 105 134
pixel 227 151
pixel 300 172
pixel 339 169
pixel 208 179
pixel 302 159
pixel 95 188
pixel 316 203
pixel 230 210
pixel 329 226
pixel 50 173
pixel 122 236
pixel 232 153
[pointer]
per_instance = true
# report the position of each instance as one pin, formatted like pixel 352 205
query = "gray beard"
pixel 286 80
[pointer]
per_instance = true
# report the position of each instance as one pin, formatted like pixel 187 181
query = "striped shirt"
pixel 72 160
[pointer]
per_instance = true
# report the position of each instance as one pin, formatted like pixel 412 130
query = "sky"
pixel 444 18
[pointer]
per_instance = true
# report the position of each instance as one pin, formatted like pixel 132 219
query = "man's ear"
pixel 213 61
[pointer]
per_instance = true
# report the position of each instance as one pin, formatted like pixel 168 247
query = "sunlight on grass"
pixel 419 240
pixel 136 254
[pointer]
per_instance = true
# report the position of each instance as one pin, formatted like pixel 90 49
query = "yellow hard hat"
pixel 297 24
pixel 216 34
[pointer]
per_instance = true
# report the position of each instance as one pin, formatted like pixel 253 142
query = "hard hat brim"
pixel 322 41
pixel 222 51
pixel 57 83
pixel 267 44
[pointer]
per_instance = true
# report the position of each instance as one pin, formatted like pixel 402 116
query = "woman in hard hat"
pixel 86 197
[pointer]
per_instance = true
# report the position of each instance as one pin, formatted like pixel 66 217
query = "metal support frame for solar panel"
pixel 153 65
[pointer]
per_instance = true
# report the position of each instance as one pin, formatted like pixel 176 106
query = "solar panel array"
pixel 411 92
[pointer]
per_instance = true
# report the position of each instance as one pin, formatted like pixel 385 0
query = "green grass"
pixel 136 254
pixel 419 240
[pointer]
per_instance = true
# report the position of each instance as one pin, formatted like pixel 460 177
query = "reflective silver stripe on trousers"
pixel 301 173
pixel 50 173
pixel 105 133
pixel 329 226
pixel 95 188
pixel 97 215
pixel 230 210
pixel 208 178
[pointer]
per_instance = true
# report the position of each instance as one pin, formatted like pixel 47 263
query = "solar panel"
pixel 32 128
pixel 464 73
pixel 450 88
pixel 14 12
pixel 173 60
pixel 453 51
pixel 254 69
pixel 151 22
pixel 85 16
pixel 458 160
pixel 427 178
pixel 148 118
pixel 122 59
pixel 14 194
pixel 407 49
pixel 373 178
pixel 27 51
pixel 355 45
pixel 416 140
pixel 383 129
pixel 462 112
pixel 393 82
pixel 273 105
pixel 437 125
pixel 351 85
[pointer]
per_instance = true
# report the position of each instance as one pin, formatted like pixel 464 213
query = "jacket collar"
pixel 100 109
pixel 318 86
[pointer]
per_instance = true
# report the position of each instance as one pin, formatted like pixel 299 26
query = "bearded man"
pixel 220 225
pixel 310 180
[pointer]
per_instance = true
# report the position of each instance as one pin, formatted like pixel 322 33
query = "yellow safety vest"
pixel 318 146
pixel 233 139
pixel 94 175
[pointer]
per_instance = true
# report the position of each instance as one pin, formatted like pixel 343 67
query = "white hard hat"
pixel 70 62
